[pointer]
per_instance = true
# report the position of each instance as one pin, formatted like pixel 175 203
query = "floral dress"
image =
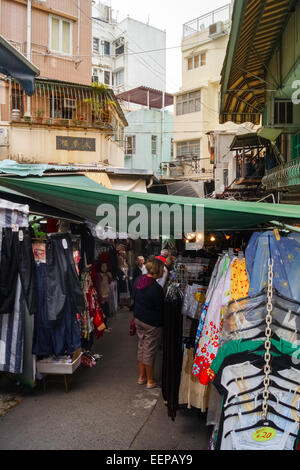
pixel 210 337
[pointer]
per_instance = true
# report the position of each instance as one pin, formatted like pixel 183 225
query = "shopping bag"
pixel 132 327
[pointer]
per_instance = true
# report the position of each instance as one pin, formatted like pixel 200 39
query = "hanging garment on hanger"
pixel 239 279
pixel 62 278
pixel 217 273
pixel 53 338
pixel 210 338
pixel 12 336
pixel 16 259
pixel 286 255
pixel 12 325
pixel 172 348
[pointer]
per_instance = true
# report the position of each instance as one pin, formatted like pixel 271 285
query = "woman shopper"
pixel 140 269
pixel 148 313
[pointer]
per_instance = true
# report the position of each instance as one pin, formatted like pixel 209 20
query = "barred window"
pixel 188 103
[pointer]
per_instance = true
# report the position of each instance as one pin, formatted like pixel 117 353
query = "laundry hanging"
pixel 12 324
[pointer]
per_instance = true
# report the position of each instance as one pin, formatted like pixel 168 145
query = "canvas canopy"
pixel 79 195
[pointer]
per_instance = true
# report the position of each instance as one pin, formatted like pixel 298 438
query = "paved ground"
pixel 104 410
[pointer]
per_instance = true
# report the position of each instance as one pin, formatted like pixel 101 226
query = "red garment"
pixel 162 258
pixel 52 226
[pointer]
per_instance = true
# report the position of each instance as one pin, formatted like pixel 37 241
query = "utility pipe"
pixel 28 51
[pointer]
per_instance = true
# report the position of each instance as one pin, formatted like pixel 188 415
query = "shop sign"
pixel 81 144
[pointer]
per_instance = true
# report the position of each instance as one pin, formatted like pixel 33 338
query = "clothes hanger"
pixel 260 408
pixel 258 387
pixel 259 398
pixel 261 423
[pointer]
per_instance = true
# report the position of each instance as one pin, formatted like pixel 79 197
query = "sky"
pixel 169 15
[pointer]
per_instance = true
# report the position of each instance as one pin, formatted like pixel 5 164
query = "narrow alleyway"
pixel 105 409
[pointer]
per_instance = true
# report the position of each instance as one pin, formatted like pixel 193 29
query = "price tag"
pixel 21 235
pixel 264 434
pixel 276 233
pixel 65 243
pixel 15 227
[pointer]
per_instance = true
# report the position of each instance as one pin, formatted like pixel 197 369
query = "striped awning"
pixel 257 27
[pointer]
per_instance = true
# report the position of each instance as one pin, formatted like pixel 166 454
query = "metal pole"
pixel 28 52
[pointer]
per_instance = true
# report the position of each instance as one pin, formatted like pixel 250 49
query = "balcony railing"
pixel 283 176
pixel 203 22
pixel 185 168
pixel 63 105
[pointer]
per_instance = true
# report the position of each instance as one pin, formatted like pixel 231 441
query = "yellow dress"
pixel 239 280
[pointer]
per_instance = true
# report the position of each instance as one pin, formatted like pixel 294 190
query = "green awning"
pixel 81 196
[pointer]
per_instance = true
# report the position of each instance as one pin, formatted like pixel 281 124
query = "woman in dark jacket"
pixel 148 313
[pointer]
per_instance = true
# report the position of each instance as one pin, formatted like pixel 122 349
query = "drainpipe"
pixel 162 127
pixel 28 51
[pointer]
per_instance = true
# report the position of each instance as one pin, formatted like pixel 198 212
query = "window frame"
pixel 60 40
pixel 94 50
pixel 154 140
pixel 185 101
pixel 188 144
pixel 133 145
pixel 107 43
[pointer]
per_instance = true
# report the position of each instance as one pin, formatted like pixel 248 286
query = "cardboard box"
pixel 46 366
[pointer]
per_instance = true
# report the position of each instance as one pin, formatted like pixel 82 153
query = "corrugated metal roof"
pixel 257 27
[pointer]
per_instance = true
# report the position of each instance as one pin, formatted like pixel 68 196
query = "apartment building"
pixel 67 120
pixel 117 47
pixel 204 46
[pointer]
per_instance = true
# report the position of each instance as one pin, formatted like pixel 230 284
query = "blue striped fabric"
pixel 12 326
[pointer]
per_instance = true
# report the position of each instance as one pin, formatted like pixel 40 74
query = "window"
pixel 172 148
pixel 106 77
pixel 106 48
pixel 119 45
pixel 197 61
pixel 61 107
pixel 154 144
pixel 95 45
pixel 189 148
pixel 60 35
pixel 95 76
pixel 130 145
pixel 283 112
pixel 188 103
pixel 119 78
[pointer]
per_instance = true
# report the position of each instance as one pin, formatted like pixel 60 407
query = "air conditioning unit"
pixel 216 30
pixel 3 136
pixel 69 103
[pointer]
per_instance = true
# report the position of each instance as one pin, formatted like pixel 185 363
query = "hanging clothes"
pixel 172 349
pixel 286 255
pixel 62 279
pixel 53 337
pixel 210 338
pixel 12 325
pixel 16 259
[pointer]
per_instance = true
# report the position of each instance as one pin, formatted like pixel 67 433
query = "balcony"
pixel 185 168
pixel 65 105
pixel 283 176
pixel 205 21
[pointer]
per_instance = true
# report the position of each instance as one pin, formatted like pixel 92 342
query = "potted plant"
pixel 100 103
pixel 39 114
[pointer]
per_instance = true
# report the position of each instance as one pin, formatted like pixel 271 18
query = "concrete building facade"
pixel 67 120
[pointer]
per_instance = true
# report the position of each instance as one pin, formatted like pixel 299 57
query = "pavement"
pixel 105 409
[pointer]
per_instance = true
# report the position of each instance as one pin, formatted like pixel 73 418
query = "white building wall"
pixel 140 69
